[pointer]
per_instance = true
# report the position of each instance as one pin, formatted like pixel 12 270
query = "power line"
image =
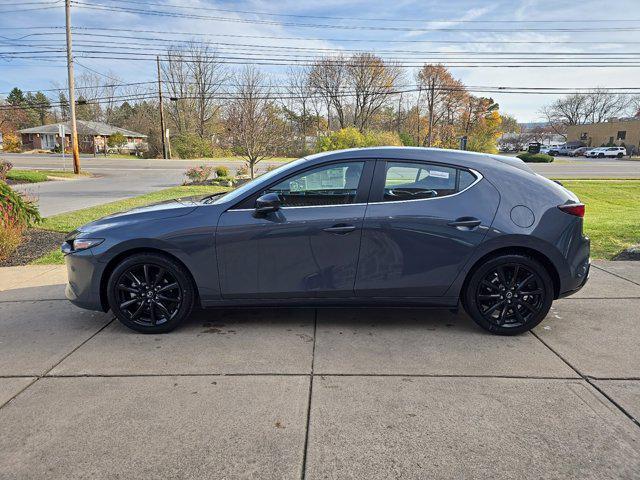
pixel 272 61
pixel 326 17
pixel 98 6
pixel 329 51
pixel 93 33
pixel 497 88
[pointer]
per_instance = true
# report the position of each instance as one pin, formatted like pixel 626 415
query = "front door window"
pixel 335 184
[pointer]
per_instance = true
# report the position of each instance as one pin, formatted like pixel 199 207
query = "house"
pixel 617 131
pixel 92 137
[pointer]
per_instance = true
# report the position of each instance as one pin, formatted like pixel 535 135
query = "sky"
pixel 402 26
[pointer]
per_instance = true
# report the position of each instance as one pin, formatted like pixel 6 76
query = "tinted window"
pixel 412 181
pixel 466 179
pixel 334 184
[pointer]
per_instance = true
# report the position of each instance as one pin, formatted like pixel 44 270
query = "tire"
pixel 150 293
pixel 619 155
pixel 516 311
pixel 601 155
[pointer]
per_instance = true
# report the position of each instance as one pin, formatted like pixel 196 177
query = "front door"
pixel 422 224
pixel 308 248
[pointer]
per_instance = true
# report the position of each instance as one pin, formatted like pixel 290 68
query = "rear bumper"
pixel 579 264
pixel 585 278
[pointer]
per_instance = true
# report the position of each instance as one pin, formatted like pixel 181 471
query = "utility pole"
pixel 72 91
pixel 162 127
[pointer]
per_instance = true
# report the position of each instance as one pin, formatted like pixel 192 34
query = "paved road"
pixel 122 178
pixel 118 179
pixel 306 393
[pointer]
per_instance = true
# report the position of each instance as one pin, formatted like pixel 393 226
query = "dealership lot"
pixel 328 393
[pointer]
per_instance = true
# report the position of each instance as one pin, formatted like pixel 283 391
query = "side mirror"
pixel 267 203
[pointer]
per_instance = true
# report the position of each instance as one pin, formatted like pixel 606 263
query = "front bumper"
pixel 84 273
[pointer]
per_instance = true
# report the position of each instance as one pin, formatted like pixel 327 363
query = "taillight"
pixel 576 209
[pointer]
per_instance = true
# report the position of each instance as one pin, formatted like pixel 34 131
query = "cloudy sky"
pixel 451 27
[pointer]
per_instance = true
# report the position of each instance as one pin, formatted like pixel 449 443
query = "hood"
pixel 157 211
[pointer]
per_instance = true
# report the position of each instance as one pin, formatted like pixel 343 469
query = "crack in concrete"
pixel 305 450
pixel 614 274
pixel 589 380
pixel 44 374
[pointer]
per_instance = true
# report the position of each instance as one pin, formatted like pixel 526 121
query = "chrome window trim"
pixel 308 206
pixel 478 175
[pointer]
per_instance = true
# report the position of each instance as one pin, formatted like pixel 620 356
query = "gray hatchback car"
pixel 372 227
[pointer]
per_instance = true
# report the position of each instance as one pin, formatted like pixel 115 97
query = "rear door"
pixel 309 247
pixel 423 222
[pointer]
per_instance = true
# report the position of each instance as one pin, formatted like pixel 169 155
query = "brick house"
pixel 92 137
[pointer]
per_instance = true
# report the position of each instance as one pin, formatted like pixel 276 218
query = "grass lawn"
pixel 612 217
pixel 36 176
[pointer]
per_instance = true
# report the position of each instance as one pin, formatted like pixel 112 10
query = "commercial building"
pixel 620 131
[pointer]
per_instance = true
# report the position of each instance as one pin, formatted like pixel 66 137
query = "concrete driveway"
pixel 327 393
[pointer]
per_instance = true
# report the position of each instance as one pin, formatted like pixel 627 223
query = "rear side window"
pixel 414 181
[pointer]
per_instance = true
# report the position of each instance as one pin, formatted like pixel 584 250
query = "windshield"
pixel 238 192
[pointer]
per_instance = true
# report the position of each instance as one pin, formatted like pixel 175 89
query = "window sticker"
pixel 438 174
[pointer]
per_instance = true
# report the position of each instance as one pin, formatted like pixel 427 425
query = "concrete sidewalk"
pixel 327 393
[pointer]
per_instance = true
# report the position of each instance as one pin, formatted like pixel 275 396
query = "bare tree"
pixel 372 81
pixel 194 76
pixel 300 99
pixel 602 105
pixel 256 130
pixel 328 78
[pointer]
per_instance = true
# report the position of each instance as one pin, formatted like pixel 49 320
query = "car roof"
pixel 474 160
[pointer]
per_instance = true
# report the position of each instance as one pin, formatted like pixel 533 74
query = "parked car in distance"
pixel 387 226
pixel 577 152
pixel 545 149
pixel 601 152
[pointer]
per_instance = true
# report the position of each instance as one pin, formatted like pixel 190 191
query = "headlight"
pixel 80 243
pixel 84 243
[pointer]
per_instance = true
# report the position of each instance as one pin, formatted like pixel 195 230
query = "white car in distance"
pixel 610 152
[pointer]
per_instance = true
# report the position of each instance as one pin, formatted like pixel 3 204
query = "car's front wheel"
pixel 150 293
pixel 508 294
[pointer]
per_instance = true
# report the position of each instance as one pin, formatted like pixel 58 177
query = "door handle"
pixel 465 223
pixel 340 229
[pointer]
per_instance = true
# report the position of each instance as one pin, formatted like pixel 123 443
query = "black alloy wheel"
pixel 150 293
pixel 509 294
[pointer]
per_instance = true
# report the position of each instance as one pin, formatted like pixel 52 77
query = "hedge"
pixel 535 157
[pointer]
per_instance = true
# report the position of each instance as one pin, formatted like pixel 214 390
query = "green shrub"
pixel 535 157
pixel 222 171
pixel 407 140
pixel 351 137
pixel 346 138
pixel 15 209
pixel 188 145
pixel 382 139
pixel 117 141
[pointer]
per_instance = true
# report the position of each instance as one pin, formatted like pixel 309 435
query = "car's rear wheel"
pixel 150 293
pixel 508 294
pixel 619 155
